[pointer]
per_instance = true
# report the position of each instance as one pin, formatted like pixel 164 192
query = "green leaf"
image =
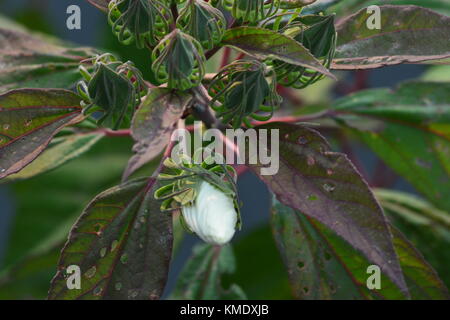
pixel 413 209
pixel 29 118
pixel 264 44
pixel 63 193
pixel 60 151
pixel 424 225
pixel 292 4
pixel 326 186
pixel 261 273
pixel 201 277
pixel 322 266
pixel 153 124
pixel 30 61
pixel 114 94
pixel 321 6
pixel 43 219
pixel 439 73
pixel 29 278
pixel 409 128
pixel 408 35
pixel 122 244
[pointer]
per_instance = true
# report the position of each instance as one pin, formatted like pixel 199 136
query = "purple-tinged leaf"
pixel 29 61
pixel 122 244
pixel 409 129
pixel 326 186
pixel 29 118
pixel 322 266
pixel 153 124
pixel 264 44
pixel 60 151
pixel 408 34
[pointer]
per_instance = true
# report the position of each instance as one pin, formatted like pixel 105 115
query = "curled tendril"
pixel 305 30
pixel 113 88
pixel 243 92
pixel 181 180
pixel 140 21
pixel 203 22
pixel 251 10
pixel 179 60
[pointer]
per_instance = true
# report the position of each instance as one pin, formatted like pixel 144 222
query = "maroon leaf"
pixel 153 124
pixel 408 34
pixel 29 118
pixel 122 244
pixel 326 186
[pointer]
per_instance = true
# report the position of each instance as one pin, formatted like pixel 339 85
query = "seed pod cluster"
pixel 203 22
pixel 242 91
pixel 179 60
pixel 317 34
pixel 251 10
pixel 144 22
pixel 113 89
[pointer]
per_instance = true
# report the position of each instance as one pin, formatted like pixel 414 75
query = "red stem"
pixel 225 57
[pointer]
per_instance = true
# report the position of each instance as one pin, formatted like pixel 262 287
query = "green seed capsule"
pixel 144 22
pixel 251 10
pixel 244 92
pixel 178 60
pixel 203 22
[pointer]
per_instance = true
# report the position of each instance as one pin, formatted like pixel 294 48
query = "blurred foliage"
pixel 253 251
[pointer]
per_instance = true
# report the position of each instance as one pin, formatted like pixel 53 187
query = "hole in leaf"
pixel 98 291
pixel 91 272
pixel 98 228
pixel 302 140
pixel 328 187
pixel 114 245
pixel 310 160
pixel 124 258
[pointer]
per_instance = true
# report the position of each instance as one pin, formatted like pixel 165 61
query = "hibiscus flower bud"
pixel 212 216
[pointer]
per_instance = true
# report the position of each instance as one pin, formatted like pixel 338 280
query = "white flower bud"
pixel 213 216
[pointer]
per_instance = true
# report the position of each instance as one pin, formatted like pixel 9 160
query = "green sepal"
pixel 244 92
pixel 203 22
pixel 144 22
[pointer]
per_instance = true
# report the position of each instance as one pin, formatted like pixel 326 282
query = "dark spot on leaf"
pixel 302 140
